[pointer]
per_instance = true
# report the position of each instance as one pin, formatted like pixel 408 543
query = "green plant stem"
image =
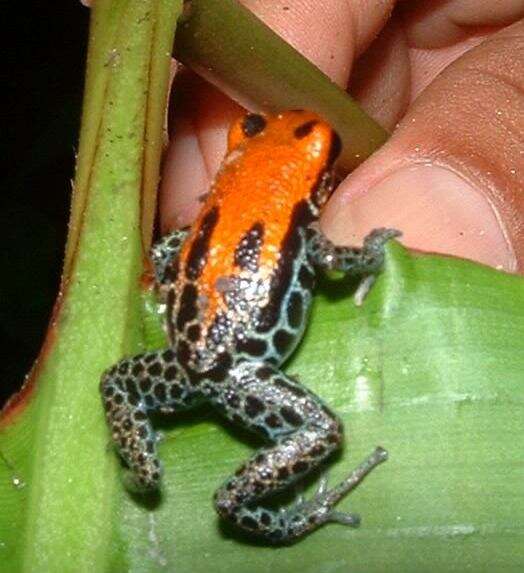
pixel 233 49
pixel 65 516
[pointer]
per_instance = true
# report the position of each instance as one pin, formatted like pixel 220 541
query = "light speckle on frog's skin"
pixel 238 287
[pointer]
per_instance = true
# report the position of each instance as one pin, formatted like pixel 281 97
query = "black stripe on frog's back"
pixel 187 311
pixel 247 253
pixel 199 249
pixel 280 281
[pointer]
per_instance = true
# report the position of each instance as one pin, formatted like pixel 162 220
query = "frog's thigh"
pixel 305 431
pixel 133 388
pixel 262 398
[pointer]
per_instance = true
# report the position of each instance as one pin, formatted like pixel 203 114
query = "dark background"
pixel 44 72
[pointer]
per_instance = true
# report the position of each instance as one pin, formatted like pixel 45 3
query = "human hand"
pixel 451 175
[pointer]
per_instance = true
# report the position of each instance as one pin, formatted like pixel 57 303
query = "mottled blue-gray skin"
pixel 236 370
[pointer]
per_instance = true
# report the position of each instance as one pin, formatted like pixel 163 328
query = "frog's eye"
pixel 253 124
pixel 246 127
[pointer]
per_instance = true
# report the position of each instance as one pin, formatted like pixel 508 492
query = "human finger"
pixel 451 177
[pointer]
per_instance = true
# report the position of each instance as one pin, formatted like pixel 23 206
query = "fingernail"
pixel 436 209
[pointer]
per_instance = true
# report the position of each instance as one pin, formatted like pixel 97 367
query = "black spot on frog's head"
pixel 304 129
pixel 253 124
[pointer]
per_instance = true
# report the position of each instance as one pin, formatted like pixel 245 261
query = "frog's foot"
pixel 288 525
pixel 315 506
pixel 320 509
pixel 365 260
pixel 135 485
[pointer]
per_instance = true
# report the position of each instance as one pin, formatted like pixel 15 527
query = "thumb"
pixel 451 176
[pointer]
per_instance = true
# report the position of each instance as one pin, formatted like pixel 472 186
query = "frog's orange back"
pixel 272 179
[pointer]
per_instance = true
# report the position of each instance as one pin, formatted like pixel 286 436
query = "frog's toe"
pixel 318 509
pixel 322 485
pixel 143 481
pixel 350 519
pixel 131 483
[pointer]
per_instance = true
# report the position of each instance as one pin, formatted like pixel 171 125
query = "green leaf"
pixel 430 367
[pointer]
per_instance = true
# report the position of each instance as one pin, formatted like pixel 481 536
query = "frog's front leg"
pixel 165 251
pixel 131 390
pixel 304 432
pixel 358 261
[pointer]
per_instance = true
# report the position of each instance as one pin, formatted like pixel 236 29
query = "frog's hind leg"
pixel 131 390
pixel 164 251
pixel 304 432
